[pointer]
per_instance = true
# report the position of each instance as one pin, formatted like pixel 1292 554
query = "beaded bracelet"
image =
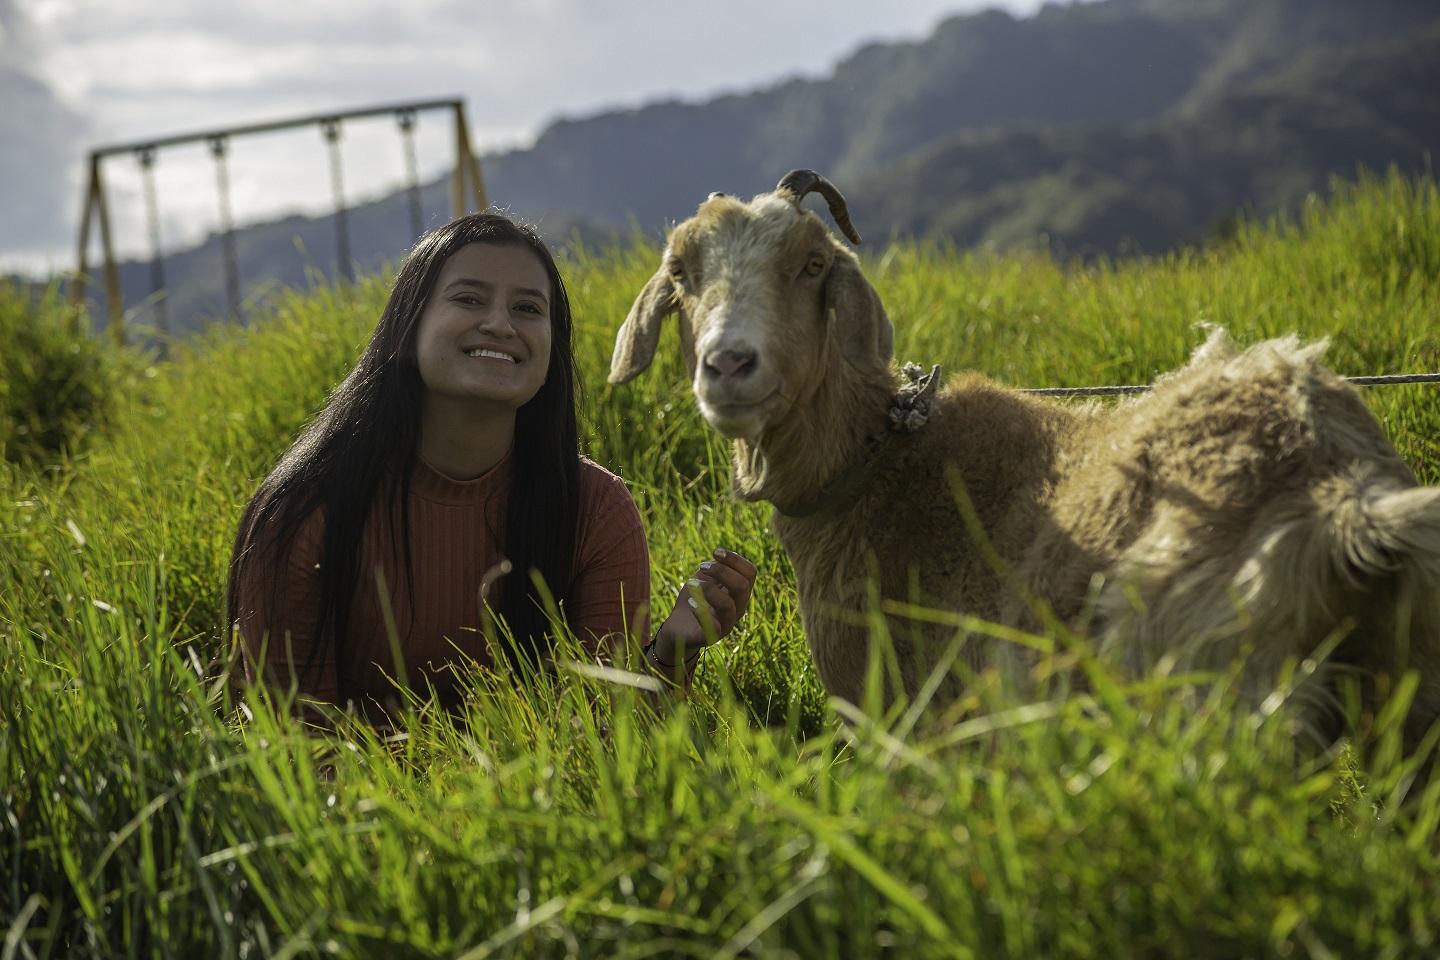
pixel 655 658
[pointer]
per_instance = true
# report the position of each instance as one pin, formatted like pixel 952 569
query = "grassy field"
pixel 143 813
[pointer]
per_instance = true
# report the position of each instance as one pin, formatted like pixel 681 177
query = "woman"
pixel 443 471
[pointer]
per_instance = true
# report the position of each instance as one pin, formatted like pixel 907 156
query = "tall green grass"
pixel 55 388
pixel 145 813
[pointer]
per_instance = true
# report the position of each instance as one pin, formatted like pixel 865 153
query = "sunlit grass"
pixel 144 813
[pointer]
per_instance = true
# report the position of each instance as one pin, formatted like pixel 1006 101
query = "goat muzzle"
pixel 799 183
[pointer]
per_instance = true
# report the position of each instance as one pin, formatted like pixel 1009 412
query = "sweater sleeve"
pixel 282 641
pixel 611 593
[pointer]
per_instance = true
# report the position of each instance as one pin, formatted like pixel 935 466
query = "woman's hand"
pixel 708 607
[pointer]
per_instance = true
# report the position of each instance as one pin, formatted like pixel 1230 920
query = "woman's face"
pixel 485 332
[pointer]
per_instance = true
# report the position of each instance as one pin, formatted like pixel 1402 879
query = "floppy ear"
pixel 635 343
pixel 856 315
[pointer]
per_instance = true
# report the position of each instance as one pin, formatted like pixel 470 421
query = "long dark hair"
pixel 364 444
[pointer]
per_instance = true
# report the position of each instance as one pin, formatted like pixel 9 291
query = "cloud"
pixel 524 61
pixel 40 142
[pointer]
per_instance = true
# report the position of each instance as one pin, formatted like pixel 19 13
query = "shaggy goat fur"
pixel 1248 505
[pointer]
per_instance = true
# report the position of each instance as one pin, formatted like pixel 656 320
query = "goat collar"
pixel 909 411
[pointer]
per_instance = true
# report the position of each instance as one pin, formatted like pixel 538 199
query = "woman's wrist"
pixel 665 653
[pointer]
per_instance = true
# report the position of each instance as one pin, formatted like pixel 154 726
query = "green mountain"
pixel 1258 145
pixel 1100 128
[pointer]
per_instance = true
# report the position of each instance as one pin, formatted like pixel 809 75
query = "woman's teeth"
pixel 495 354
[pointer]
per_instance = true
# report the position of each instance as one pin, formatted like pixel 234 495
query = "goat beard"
pixel 748 470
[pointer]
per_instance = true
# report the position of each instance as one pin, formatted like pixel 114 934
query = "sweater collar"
pixel 430 484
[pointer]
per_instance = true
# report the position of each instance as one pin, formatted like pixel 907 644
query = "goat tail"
pixel 1380 533
pixel 1356 549
pixel 1344 548
pixel 1384 551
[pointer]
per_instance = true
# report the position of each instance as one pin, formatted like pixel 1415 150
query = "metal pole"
pixel 468 158
pixel 457 183
pixel 270 126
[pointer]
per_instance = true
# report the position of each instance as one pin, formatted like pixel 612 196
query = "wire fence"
pixel 1117 391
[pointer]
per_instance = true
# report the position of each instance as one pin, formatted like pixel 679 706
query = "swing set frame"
pixel 466 184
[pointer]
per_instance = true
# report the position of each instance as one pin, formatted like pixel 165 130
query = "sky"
pixel 76 74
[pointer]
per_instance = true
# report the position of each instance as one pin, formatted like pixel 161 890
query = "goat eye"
pixel 815 267
pixel 677 271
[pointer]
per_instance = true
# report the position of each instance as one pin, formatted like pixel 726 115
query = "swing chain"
pixel 145 156
pixel 220 150
pixel 330 129
pixel 405 117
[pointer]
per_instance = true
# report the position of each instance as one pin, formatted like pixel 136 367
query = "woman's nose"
pixel 495 320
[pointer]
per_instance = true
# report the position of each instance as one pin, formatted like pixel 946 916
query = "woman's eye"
pixel 815 267
pixel 528 307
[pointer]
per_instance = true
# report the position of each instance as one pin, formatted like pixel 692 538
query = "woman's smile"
pixel 485 353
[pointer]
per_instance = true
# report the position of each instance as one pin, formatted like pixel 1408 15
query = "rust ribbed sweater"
pixel 453 544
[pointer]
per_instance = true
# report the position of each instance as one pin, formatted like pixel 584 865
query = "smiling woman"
pixel 443 472
pixel 483 351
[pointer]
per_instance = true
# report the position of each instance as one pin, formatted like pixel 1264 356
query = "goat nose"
pixel 730 364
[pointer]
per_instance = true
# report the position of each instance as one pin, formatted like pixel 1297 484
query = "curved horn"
pixel 798 183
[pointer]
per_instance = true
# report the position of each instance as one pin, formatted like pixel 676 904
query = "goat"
pixel 1248 504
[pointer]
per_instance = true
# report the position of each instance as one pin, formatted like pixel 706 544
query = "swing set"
pixel 466 184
